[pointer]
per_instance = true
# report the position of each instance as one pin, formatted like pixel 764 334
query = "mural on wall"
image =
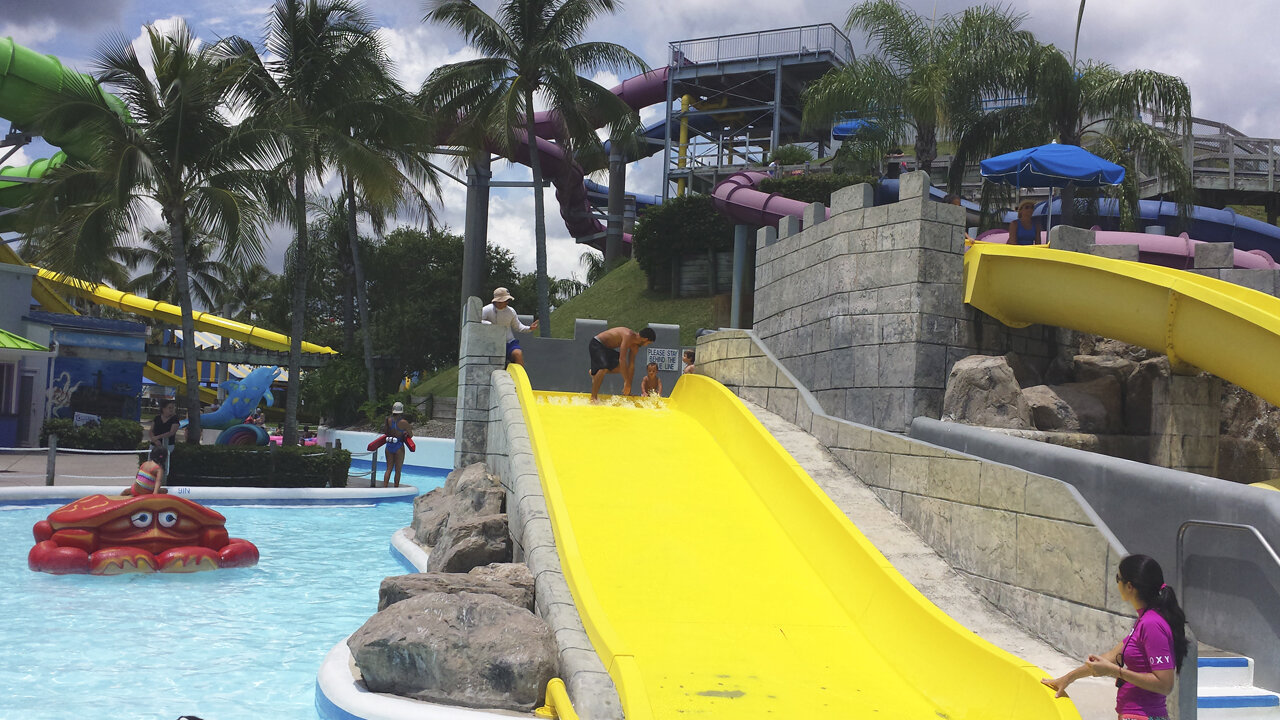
pixel 58 396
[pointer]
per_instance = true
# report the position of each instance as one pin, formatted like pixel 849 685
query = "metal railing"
pixel 1242 527
pixel 804 41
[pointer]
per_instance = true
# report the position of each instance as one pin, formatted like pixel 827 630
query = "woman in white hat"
pixel 397 430
pixel 500 312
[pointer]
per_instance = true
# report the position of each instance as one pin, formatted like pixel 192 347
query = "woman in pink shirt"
pixel 1145 662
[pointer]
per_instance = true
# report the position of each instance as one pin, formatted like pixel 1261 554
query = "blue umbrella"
pixel 1051 165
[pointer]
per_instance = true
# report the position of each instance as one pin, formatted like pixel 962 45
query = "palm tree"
pixel 160 280
pixel 925 71
pixel 245 292
pixel 531 47
pixel 1095 106
pixel 175 148
pixel 325 59
pixel 593 265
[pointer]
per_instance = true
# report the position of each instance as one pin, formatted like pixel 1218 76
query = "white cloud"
pixel 35 33
pixel 419 49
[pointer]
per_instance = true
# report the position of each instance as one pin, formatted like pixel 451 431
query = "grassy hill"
pixel 619 298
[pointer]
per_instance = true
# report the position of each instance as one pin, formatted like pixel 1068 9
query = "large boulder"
pixel 468 649
pixel 1092 367
pixel 1088 407
pixel 518 592
pixel 1026 374
pixel 468 493
pixel 470 543
pixel 983 390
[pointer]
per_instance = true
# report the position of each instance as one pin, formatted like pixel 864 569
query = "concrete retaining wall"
pixel 1027 543
pixel 1230 587
pixel 510 457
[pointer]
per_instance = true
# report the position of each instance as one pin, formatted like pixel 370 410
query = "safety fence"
pixel 51 463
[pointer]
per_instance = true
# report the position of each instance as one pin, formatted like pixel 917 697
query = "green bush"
pixel 272 466
pixel 790 155
pixel 680 226
pixel 811 188
pixel 109 434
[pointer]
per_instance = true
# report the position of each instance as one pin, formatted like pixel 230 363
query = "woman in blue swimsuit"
pixel 1023 230
pixel 396 428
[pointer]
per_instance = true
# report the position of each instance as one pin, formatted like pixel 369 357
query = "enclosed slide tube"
pixel 737 198
pixel 26 76
pixel 563 170
pixel 715 579
pixel 1174 252
pixel 1223 328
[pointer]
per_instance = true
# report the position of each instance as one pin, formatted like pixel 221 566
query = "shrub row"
pixel 109 434
pixel 813 187
pixel 272 466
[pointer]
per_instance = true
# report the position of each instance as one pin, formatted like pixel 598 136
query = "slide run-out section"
pixel 1223 328
pixel 715 579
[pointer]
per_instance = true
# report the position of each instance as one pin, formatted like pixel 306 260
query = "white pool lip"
pixel 238 495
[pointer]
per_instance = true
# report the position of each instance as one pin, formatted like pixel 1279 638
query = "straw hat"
pixel 501 295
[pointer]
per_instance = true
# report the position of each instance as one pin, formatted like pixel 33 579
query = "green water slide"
pixel 25 76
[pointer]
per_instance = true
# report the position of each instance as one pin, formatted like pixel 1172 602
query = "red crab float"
pixel 112 535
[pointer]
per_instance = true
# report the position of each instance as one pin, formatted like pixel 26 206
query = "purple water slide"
pixel 738 199
pixel 565 174
pixel 1173 252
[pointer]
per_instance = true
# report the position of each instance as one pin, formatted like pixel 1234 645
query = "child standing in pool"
pixel 150 478
pixel 651 383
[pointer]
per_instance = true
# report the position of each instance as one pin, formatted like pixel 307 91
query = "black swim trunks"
pixel 602 358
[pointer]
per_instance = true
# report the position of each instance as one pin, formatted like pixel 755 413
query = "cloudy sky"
pixel 1232 80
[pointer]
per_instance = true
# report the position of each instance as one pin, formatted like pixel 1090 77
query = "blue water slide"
pixel 599 195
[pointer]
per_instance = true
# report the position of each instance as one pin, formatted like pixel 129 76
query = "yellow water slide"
pixel 715 579
pixel 1223 328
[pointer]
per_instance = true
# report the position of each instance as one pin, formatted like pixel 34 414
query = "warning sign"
pixel 667 358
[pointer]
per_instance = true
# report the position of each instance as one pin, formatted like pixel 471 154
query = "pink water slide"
pixel 1173 252
pixel 738 199
pixel 566 174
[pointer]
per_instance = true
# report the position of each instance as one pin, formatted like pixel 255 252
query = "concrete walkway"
pixel 929 573
pixel 28 469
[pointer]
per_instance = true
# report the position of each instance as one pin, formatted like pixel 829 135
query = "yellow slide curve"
pixel 716 579
pixel 48 287
pixel 1223 328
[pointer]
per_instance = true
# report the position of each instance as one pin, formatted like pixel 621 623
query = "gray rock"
pixel 1023 370
pixel 1138 390
pixel 467 649
pixel 517 575
pixel 402 587
pixel 1089 407
pixel 468 492
pixel 465 545
pixel 1114 348
pixel 982 390
pixel 1092 367
pixel 1049 411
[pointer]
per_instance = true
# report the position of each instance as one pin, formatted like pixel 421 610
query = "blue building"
pixel 98 364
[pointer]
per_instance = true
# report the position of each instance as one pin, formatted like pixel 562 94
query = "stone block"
pixel 899 328
pixel 873 468
pixel 940 267
pixel 859 405
pixel 909 473
pixel 1002 487
pixel 1050 498
pixel 948 479
pixel 759 372
pixel 951 216
pixel 757 395
pixel 1261 279
pixel 1062 559
pixel 1116 252
pixel 594 696
pixel 913 185
pixel 930 519
pixel 853 437
pixel 814 213
pixel 853 197
pixel 788 226
pixel 984 542
pixel 897 365
pixel 825 430
pixel 804 413
pixel 782 402
pixel 1073 629
pixel 1214 255
pixel 1065 237
pixel 765 237
pixel 892 499
pixel 874 217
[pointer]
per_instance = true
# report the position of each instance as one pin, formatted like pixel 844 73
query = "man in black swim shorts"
pixel 614 351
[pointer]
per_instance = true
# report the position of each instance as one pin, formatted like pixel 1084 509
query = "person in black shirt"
pixel 165 427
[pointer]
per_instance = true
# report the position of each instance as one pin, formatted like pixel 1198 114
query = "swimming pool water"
pixel 221 645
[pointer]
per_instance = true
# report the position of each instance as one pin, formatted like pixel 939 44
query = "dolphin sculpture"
pixel 242 397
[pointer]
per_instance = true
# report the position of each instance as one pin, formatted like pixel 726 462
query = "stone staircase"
pixel 1226 691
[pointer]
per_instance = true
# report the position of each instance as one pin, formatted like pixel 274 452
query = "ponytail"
pixel 1147 578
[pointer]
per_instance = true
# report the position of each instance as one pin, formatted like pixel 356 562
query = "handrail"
pixel 1182 531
